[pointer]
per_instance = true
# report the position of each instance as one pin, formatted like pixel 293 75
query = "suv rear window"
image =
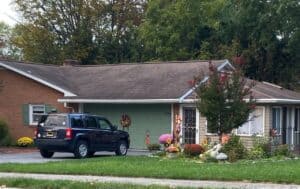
pixel 56 120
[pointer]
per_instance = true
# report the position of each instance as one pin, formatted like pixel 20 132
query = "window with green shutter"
pixel 33 112
pixel 25 114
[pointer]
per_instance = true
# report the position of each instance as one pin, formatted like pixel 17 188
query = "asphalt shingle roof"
pixel 163 80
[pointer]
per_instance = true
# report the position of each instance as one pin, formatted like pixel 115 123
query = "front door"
pixel 189 129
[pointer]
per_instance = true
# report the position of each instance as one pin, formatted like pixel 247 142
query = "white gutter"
pixel 120 101
pixel 66 93
pixel 278 101
pixel 166 101
pixel 226 63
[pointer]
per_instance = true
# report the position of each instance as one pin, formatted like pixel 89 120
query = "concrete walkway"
pixel 151 181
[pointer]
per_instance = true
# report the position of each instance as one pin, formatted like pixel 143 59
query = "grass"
pixel 278 171
pixel 58 184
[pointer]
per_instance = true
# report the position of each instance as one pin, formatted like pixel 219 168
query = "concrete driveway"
pixel 35 157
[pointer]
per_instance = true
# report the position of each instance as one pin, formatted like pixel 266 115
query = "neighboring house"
pixel 152 94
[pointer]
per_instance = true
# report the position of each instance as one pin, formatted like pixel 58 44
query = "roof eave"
pixel 39 80
pixel 120 101
pixel 278 101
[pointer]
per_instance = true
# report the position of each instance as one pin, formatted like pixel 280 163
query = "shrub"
pixel 5 139
pixel 153 147
pixel 193 149
pixel 235 149
pixel 262 144
pixel 24 141
pixel 256 153
pixel 282 150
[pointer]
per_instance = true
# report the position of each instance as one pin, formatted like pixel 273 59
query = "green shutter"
pixel 25 114
pixel 50 108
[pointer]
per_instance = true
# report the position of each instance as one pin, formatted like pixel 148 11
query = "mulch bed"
pixel 15 150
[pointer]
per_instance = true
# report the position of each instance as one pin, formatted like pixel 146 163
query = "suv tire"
pixel 81 149
pixel 46 153
pixel 122 148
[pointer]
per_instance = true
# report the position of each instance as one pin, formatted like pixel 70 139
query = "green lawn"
pixel 58 184
pixel 279 171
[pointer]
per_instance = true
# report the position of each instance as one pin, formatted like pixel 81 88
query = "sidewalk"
pixel 151 181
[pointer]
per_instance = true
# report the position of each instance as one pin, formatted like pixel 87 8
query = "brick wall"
pixel 19 90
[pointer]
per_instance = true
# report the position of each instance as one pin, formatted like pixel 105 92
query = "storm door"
pixel 189 129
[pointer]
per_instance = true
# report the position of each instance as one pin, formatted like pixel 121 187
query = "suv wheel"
pixel 121 148
pixel 81 149
pixel 46 153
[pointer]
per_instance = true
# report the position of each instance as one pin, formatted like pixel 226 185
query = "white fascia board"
pixel 182 98
pixel 120 101
pixel 222 66
pixel 66 93
pixel 278 101
pixel 259 101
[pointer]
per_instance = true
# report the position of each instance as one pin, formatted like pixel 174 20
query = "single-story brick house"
pixel 152 94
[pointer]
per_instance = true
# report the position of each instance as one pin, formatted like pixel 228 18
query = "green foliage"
pixel 95 31
pixel 153 147
pixel 174 30
pixel 261 148
pixel 256 153
pixel 235 149
pixel 5 139
pixel 266 34
pixel 282 150
pixel 221 100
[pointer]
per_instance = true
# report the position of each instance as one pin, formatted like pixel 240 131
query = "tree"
pixel 265 33
pixel 7 49
pixel 222 100
pixel 90 31
pixel 174 30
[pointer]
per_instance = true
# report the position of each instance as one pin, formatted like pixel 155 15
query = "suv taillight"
pixel 68 133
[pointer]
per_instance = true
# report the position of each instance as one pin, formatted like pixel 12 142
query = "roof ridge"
pixel 148 63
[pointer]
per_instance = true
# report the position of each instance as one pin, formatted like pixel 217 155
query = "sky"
pixel 7 13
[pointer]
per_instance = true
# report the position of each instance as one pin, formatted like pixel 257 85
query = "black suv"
pixel 81 134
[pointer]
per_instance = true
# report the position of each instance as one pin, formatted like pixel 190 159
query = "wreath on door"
pixel 125 121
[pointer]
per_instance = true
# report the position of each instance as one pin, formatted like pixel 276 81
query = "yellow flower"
pixel 24 141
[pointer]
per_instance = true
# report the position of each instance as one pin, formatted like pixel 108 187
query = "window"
pixel 90 122
pixel 208 130
pixel 35 113
pixel 56 120
pixel 297 119
pixel 104 124
pixel 276 119
pixel 254 125
pixel 76 122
